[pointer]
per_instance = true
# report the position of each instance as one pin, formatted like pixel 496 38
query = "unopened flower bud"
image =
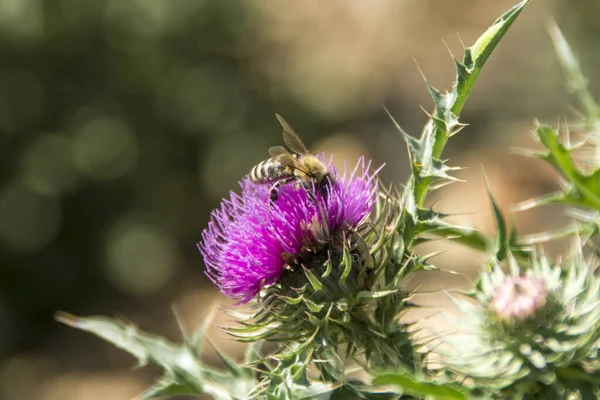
pixel 519 298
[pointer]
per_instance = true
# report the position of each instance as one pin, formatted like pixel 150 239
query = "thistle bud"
pixel 527 328
pixel 519 298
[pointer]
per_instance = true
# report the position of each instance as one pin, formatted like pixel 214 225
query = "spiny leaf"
pixel 375 295
pixel 170 387
pixel 575 78
pixel 414 146
pixel 253 353
pixel 198 337
pixel 146 348
pixel 456 233
pixel 425 152
pixel 316 391
pixel 315 283
pixel 578 188
pixel 184 372
pixel 583 228
pixel 347 264
pixel 312 306
pixel 585 189
pixel 408 199
pixel 502 244
pixel 421 387
pixel 476 56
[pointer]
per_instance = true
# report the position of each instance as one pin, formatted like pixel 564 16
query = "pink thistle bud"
pixel 519 298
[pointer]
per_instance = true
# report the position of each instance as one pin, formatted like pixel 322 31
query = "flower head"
pixel 519 297
pixel 250 240
pixel 526 326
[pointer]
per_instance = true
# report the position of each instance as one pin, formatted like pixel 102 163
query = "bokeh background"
pixel 123 123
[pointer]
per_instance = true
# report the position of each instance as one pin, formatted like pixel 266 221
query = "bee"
pixel 284 167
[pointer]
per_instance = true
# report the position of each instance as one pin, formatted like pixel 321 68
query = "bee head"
pixel 319 186
pixel 315 168
pixel 314 175
pixel 325 182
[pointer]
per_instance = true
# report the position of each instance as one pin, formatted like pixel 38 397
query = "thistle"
pixel 533 332
pixel 313 264
pixel 321 274
pixel 251 241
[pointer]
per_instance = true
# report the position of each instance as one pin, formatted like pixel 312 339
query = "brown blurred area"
pixel 123 123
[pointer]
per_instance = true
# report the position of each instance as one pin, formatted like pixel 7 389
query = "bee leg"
pixel 309 191
pixel 274 193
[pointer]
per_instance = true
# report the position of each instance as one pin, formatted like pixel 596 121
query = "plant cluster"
pixel 322 275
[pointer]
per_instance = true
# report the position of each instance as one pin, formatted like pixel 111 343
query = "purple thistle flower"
pixel 249 239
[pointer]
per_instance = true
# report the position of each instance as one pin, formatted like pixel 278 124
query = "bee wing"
pixel 291 138
pixel 280 154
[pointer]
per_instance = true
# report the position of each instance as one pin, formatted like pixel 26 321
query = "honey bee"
pixel 284 167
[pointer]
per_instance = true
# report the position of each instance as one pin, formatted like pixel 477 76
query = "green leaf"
pixel 253 353
pixel 425 152
pixel 580 183
pixel 422 387
pixel 584 189
pixel 465 236
pixel 168 387
pixel 312 306
pixel 318 391
pixel 502 244
pixel 144 347
pixel 476 56
pixel 347 264
pixel 314 282
pixel 360 391
pixel 368 295
pixel 184 371
pixel 577 82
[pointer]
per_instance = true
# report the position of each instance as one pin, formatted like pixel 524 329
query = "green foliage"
pixel 325 309
pixel 425 152
pixel 541 340
pixel 581 189
pixel 429 171
pixel 341 308
pixel 509 358
pixel 422 386
pixel 552 354
pixel 577 164
pixel 577 81
pixel 184 371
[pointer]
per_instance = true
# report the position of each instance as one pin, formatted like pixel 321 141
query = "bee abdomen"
pixel 268 170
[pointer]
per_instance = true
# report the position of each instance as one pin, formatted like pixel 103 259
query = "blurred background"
pixel 123 123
